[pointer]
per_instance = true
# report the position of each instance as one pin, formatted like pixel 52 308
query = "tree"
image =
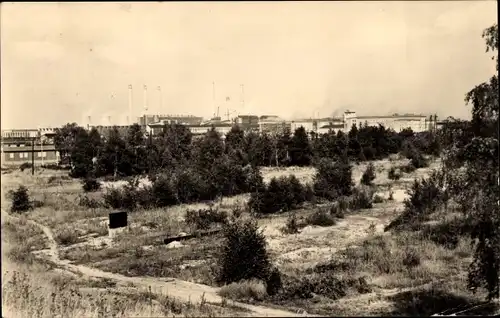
pixel 333 179
pixel 135 142
pixel 209 149
pixel 369 175
pixel 300 150
pixel 65 139
pixel 481 158
pixel 115 158
pixel 21 200
pixel 244 254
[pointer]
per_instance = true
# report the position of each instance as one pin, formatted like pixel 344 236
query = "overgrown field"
pixel 324 258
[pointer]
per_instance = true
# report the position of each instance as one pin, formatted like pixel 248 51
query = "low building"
pixel 273 125
pixel 105 130
pixel 180 119
pixel 15 155
pixel 248 122
pixel 396 122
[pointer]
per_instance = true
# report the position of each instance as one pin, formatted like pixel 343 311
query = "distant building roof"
pixel 393 116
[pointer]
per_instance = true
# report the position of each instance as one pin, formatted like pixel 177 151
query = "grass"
pixel 247 290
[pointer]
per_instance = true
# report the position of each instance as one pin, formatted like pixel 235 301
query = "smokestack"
pixel 109 121
pixel 145 99
pixel 130 101
pixel 159 97
pixel 88 122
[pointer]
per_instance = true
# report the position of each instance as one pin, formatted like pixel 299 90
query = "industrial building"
pixel 396 122
pixel 22 145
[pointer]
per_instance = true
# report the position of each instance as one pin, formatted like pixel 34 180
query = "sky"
pixel 63 62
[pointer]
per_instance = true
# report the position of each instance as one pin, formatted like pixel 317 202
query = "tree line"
pixel 90 154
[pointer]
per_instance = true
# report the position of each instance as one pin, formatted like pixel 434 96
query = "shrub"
pixel 273 282
pixel 338 209
pixel 411 258
pixel 90 203
pixel 324 284
pixel 25 165
pixel 203 218
pixel 21 200
pixel 426 196
pixel 321 217
pixel 192 186
pixel 333 179
pixel 244 254
pixel 282 194
pixel 67 237
pixel 91 185
pixel 362 199
pixel 394 174
pixel 163 192
pixel 254 179
pixel 377 199
pixel 291 226
pixel 369 175
pixel 117 198
pixel 244 290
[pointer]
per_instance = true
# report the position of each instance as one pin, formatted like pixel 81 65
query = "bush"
pixel 203 218
pixel 245 290
pixel 120 198
pixel 321 217
pixel 394 174
pixel 66 237
pixel 411 258
pixel 378 199
pixel 21 200
pixel 90 203
pixel 282 194
pixel 163 192
pixel 291 226
pixel 362 199
pixel 324 284
pixel 337 211
pixel 25 165
pixel 333 179
pixel 426 196
pixel 91 185
pixel 244 255
pixel 369 175
pixel 254 179
pixel 273 282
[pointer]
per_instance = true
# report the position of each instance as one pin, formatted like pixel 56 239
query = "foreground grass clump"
pixel 245 290
pixel 23 238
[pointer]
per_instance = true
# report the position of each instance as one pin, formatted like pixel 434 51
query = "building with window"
pixel 15 154
pixel 396 122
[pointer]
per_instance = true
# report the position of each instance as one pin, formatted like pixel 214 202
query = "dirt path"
pixel 182 290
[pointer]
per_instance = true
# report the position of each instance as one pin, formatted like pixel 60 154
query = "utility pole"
pixel 33 156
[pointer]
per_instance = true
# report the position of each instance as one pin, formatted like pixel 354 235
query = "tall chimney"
pixel 88 122
pixel 130 101
pixel 109 121
pixel 145 99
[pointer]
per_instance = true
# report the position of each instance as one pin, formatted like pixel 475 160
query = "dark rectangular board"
pixel 117 220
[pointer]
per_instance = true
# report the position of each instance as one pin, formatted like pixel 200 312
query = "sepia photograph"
pixel 249 159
